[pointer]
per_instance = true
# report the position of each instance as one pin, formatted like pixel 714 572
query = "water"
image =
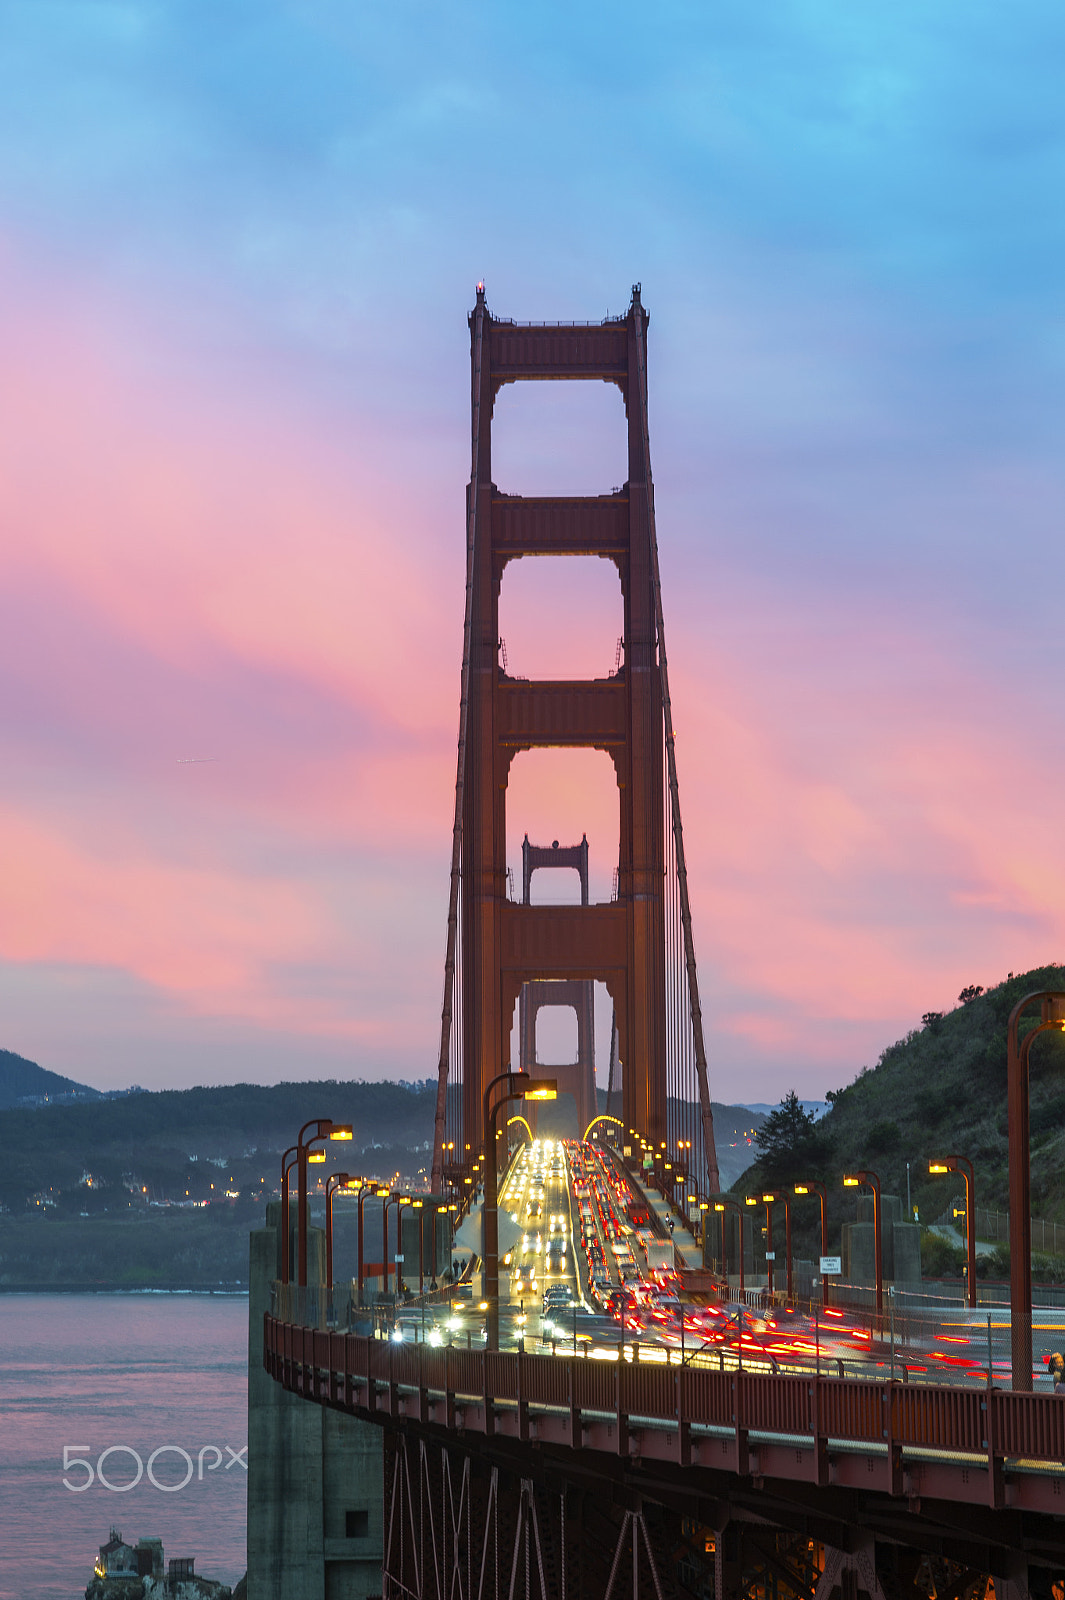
pixel 137 1371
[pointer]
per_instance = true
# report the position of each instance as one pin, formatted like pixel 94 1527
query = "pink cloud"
pixel 195 562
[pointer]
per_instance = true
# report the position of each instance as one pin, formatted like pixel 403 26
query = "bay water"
pixel 150 1392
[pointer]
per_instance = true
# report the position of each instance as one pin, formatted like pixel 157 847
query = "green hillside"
pixel 21 1079
pixel 195 1143
pixel 939 1091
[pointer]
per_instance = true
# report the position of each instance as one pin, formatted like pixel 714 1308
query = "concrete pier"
pixel 315 1477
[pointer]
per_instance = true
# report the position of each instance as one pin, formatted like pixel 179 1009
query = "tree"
pixel 791 1145
pixel 931 1020
pixel 972 991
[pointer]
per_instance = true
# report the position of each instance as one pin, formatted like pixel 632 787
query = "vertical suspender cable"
pixel 709 1147
pixel 460 779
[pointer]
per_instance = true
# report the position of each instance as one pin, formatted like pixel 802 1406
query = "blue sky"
pixel 237 249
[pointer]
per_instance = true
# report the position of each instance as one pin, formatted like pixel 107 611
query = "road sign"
pixel 399 1259
pixel 831 1266
pixel 771 1255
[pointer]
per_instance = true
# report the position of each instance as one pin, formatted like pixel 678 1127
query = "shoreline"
pixel 231 1291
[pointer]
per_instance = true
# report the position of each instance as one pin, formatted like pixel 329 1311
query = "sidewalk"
pixel 689 1253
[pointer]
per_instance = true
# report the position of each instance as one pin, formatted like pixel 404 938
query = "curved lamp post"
pixel 781 1197
pixel 1051 1016
pixel 767 1201
pixel 518 1086
pixel 811 1186
pixel 324 1128
pixel 288 1161
pixel 721 1206
pixel 963 1165
pixel 398 1200
pixel 335 1181
pixel 371 1190
pixel 871 1181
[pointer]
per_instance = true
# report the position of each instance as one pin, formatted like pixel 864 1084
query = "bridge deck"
pixel 994 1448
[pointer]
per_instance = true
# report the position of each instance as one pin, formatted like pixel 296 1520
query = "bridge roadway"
pixel 930 1465
pixel 964 1467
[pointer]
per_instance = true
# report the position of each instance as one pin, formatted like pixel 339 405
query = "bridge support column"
pixel 850 1572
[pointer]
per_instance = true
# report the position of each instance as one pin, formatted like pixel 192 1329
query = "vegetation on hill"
pixel 197 1144
pixel 939 1091
pixel 23 1080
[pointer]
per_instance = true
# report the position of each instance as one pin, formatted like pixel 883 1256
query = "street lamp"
pixel 781 1197
pixel 376 1191
pixel 721 1206
pixel 871 1181
pixel 324 1128
pixel 963 1165
pixel 811 1186
pixel 335 1181
pixel 288 1161
pixel 519 1086
pixel 1051 1016
pixel 754 1200
pixel 398 1200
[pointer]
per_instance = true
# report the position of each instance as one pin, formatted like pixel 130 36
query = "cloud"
pixel 233 445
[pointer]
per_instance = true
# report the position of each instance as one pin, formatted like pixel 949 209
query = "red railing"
pixel 989 1423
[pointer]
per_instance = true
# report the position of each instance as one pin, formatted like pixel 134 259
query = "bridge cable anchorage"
pixel 709 1147
pixel 460 777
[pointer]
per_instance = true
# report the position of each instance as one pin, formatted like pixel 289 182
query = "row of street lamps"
pixel 856 1180
pixel 308 1151
pixel 521 1086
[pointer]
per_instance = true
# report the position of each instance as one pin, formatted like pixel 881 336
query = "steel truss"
pixel 460 1526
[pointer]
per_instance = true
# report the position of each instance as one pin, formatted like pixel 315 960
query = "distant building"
pixel 117 1559
pixel 127 1572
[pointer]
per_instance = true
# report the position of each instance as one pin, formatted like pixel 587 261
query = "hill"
pixel 941 1090
pixel 193 1144
pixel 22 1080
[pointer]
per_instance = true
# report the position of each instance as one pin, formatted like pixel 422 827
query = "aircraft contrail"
pixel 190 761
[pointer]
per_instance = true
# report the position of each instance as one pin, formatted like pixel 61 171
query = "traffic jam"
pixel 594 1271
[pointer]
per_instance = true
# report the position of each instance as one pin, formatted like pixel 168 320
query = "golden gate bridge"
pixel 555 1476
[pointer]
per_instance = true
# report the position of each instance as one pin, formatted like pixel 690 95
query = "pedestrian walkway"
pixel 688 1251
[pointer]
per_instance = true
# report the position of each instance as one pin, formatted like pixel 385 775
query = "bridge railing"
pixel 990 1423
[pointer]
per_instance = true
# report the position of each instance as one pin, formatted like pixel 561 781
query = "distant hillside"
pixel 942 1091
pixel 25 1080
pixel 174 1144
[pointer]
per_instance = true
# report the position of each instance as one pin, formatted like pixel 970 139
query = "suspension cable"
pixel 640 400
pixel 460 778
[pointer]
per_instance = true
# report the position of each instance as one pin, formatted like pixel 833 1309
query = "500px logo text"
pixel 173 1460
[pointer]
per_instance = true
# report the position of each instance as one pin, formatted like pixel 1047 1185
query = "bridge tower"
pixel 576 1078
pixel 495 945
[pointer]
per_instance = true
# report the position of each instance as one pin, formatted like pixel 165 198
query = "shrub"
pixel 882 1136
pixel 939 1257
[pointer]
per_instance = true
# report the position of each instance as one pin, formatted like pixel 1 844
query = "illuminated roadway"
pixel 577 1247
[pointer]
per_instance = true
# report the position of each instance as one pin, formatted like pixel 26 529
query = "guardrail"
pixel 998 1426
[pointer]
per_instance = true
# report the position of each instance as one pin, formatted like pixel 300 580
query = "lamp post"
pixel 811 1186
pixel 519 1086
pixel 963 1165
pixel 372 1188
pixel 335 1181
pixel 721 1206
pixel 324 1128
pixel 781 1197
pixel 1051 1016
pixel 416 1205
pixel 399 1201
pixel 754 1200
pixel 871 1181
pixel 288 1161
